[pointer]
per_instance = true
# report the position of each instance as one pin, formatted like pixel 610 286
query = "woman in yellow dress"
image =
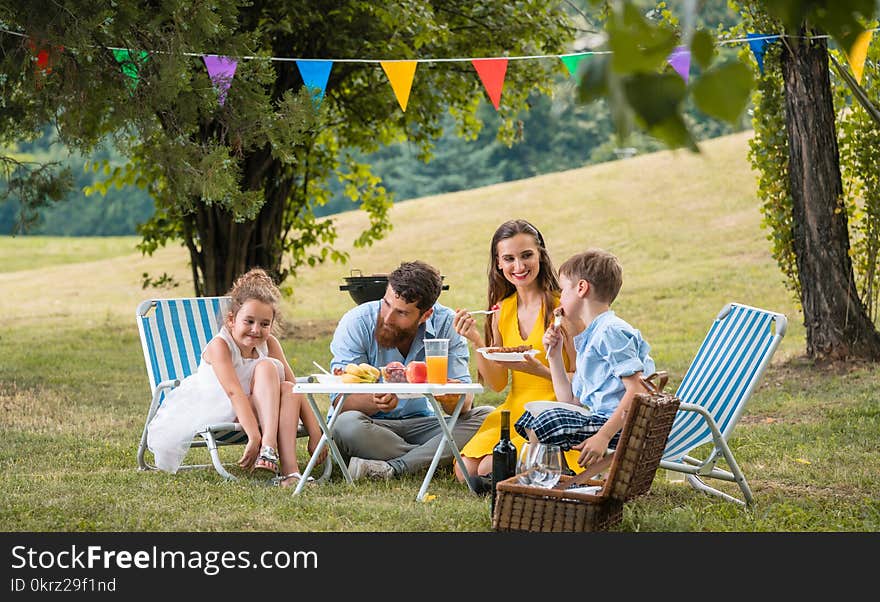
pixel 523 283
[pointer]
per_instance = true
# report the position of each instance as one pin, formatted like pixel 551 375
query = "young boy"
pixel 611 357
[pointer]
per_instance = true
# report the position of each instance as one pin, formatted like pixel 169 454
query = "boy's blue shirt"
pixel 607 350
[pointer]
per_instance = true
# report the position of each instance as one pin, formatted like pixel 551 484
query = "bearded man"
pixel 382 435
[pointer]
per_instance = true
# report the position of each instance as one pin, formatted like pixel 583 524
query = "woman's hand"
pixel 465 325
pixel 529 365
pixel 251 453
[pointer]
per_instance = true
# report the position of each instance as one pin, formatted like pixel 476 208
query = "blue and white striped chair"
pixel 714 393
pixel 173 334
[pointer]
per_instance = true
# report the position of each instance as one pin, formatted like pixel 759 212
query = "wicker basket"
pixel 521 507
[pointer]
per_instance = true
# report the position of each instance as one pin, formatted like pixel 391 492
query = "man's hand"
pixel 385 402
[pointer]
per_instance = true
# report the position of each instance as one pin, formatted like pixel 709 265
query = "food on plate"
pixel 394 372
pixel 517 349
pixel 417 372
pixel 360 373
pixel 557 316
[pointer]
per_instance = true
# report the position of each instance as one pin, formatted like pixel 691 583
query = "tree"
pixel 796 151
pixel 808 216
pixel 237 183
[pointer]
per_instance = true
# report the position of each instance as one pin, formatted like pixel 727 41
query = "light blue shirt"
pixel 354 343
pixel 607 350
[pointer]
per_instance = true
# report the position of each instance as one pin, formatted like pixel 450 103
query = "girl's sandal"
pixel 268 460
pixel 280 480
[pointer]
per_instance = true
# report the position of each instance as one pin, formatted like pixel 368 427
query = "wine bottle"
pixel 503 456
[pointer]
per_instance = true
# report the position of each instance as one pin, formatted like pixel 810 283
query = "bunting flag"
pixel 129 66
pixel 491 72
pixel 572 62
pixel 857 54
pixel 45 58
pixel 315 75
pixel 758 42
pixel 400 74
pixel 680 59
pixel 221 70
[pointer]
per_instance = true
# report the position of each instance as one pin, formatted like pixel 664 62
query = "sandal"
pixel 280 479
pixel 268 460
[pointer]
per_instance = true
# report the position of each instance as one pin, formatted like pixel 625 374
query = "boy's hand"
pixel 552 341
pixel 592 449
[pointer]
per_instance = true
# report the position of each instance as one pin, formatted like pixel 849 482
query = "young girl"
pixel 243 376
pixel 523 282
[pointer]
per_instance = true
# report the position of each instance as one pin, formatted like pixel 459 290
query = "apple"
pixel 394 372
pixel 417 372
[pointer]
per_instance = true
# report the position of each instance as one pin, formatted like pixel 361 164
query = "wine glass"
pixel 547 465
pixel 525 462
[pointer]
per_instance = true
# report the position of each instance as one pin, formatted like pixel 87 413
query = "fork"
pixel 484 311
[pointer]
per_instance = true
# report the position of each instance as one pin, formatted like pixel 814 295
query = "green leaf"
pixel 703 48
pixel 723 91
pixel 638 46
pixel 654 97
pixel 594 78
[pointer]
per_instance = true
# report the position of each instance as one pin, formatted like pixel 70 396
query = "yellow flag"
pixel 857 54
pixel 400 74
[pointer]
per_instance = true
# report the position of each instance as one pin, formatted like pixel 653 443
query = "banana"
pixel 360 373
pixel 373 372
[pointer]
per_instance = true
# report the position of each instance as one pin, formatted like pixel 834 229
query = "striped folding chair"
pixel 173 334
pixel 714 393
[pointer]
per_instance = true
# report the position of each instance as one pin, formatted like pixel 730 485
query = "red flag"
pixel 491 72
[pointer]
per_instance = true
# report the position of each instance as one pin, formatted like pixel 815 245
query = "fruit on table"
pixel 394 372
pixel 417 372
pixel 360 373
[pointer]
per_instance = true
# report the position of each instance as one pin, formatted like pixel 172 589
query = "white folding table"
pixel 429 390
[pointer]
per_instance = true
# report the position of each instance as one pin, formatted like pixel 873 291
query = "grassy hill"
pixel 73 389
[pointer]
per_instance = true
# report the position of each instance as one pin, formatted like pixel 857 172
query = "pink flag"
pixel 491 72
pixel 221 70
pixel 680 59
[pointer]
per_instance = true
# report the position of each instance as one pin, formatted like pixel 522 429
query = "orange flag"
pixel 400 74
pixel 858 53
pixel 491 72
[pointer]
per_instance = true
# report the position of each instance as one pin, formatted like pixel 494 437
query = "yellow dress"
pixel 524 387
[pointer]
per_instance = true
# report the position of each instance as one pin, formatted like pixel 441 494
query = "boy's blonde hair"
pixel 598 267
pixel 254 284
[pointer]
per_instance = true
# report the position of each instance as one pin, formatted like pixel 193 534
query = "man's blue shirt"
pixel 354 342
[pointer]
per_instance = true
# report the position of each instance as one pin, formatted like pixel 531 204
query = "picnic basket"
pixel 633 464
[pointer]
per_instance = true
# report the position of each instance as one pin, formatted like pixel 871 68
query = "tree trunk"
pixel 837 325
pixel 222 249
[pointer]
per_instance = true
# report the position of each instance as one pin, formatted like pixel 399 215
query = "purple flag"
pixel 680 59
pixel 221 70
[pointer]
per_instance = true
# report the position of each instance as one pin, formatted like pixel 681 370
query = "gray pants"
pixel 407 444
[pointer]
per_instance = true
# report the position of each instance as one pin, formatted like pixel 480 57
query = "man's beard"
pixel 391 336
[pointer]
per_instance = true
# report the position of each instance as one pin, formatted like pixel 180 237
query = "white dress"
pixel 199 400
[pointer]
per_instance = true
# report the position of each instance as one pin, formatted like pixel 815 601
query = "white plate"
pixel 536 407
pixel 325 378
pixel 506 357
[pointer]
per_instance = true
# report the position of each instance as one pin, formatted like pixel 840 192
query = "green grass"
pixel 74 393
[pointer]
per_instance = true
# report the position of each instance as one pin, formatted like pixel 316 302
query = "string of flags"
pixel 315 73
